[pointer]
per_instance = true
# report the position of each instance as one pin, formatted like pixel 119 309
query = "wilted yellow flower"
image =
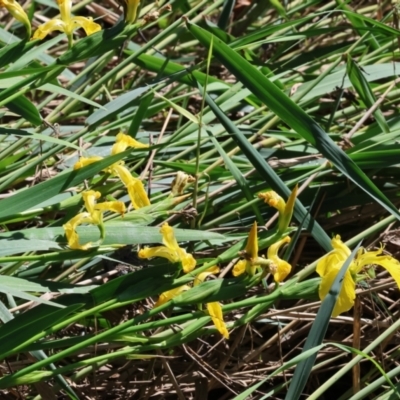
pixel 285 209
pixel 250 254
pixel 329 266
pixel 122 142
pixel 93 215
pixel 66 23
pixel 18 13
pixel 171 250
pixel 84 161
pixel 179 183
pixel 279 268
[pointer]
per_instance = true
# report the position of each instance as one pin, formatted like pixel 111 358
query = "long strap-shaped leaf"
pixel 270 176
pixel 291 114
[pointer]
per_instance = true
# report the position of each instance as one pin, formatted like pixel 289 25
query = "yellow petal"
pixel 72 235
pixel 169 237
pixel 137 194
pixel 131 10
pixel 170 251
pixel 123 173
pixel 338 245
pixel 170 294
pixel 159 251
pixel 252 242
pixel 286 216
pixel 239 268
pixel 83 161
pixel 17 12
pixel 87 24
pixel 374 257
pixel 122 142
pixel 215 311
pixel 113 206
pixel 90 197
pixel 273 200
pixel 53 25
pixel 187 260
pixel 280 268
pixel 335 258
pixel 65 9
pixel 347 294
pixel 203 275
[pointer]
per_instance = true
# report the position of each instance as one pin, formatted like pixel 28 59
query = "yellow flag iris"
pixel 66 23
pixel 250 255
pixel 214 309
pixel 18 13
pixel 171 250
pixel 329 266
pixel 285 209
pixel 135 186
pixel 93 215
pixel 279 268
pixel 122 142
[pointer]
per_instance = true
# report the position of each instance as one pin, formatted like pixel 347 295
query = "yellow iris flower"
pixel 135 187
pixel 329 266
pixel 66 23
pixel 214 309
pixel 285 209
pixel 250 254
pixel 171 250
pixel 278 267
pixel 18 13
pixel 93 215
pixel 72 235
pixel 122 142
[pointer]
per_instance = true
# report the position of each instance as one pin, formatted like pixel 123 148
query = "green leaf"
pixel 21 330
pixel 38 136
pixel 364 91
pixel 116 233
pixel 24 108
pixel 117 105
pixel 226 13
